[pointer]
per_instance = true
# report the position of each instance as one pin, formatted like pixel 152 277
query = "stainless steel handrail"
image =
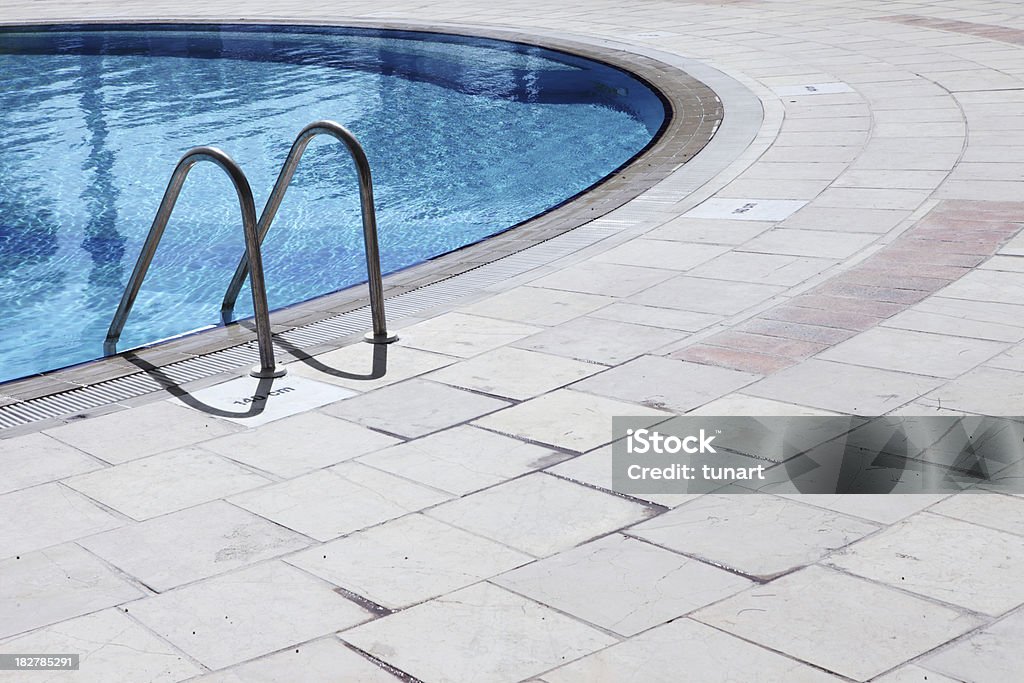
pixel 379 334
pixel 247 204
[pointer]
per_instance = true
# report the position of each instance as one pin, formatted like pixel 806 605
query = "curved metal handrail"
pixel 252 247
pixel 379 334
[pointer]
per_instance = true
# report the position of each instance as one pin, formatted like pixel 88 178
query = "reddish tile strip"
pixel 1003 34
pixel 942 247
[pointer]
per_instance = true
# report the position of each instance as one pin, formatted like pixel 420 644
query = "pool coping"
pixel 680 140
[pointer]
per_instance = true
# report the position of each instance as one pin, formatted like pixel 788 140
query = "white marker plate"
pixel 279 398
pixel 812 89
pixel 747 209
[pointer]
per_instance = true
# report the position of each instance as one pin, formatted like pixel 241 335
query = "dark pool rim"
pixel 693 114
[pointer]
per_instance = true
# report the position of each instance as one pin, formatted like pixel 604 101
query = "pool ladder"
pixel 251 263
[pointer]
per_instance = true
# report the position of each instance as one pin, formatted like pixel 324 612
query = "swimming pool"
pixel 466 138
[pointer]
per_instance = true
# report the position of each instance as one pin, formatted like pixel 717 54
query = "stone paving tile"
pixel 666 384
pixel 38 459
pixel 537 306
pixel 887 509
pixel 741 404
pixel 937 323
pixel 710 655
pixel 664 254
pixel 992 654
pixel 365 367
pixel 622 584
pixel 540 514
pixel 1005 513
pixel 408 560
pixel 414 408
pixel 166 552
pixel 602 341
pixel 840 623
pixel 874 221
pixel 665 318
pixel 488 635
pixel 111 647
pixel 339 500
pixel 165 483
pixel 48 586
pixel 566 419
pixel 984 391
pixel 46 515
pixel 988 285
pixel 791 348
pixel 720 297
pixel 758 535
pixel 457 334
pixel 922 353
pixel 770 269
pixel 913 674
pixel 711 230
pixel 607 279
pixel 300 444
pixel 123 436
pixel 327 660
pixel 945 559
pixel 806 242
pixel 514 373
pixel 847 389
pixel 229 619
pixel 462 459
pixel 733 359
pixel 798 331
pixel 840 318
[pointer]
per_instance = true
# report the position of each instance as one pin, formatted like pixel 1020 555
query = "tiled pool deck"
pixel 451 520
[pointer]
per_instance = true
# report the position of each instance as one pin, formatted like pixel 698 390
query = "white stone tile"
pixel 605 341
pixel 665 254
pixel 38 459
pixel 46 515
pixel 993 654
pixel 365 367
pixel 707 655
pixel 567 419
pixel 987 285
pixel 1005 513
pixel 55 584
pixel 720 297
pixel 595 468
pixel 339 500
pixel 622 584
pixel 714 230
pixel 847 389
pixel 462 459
pixel 457 334
pixel 946 559
pixel 540 514
pixel 111 647
pixel 756 534
pixel 747 209
pixel 537 305
pixel 872 198
pixel 182 547
pixel 408 560
pixel 831 88
pixel 667 318
pixel 913 674
pixel 753 406
pixel 666 384
pixel 164 483
pixel 327 660
pixel 938 323
pixel 802 242
pixel 770 269
pixel 846 220
pixel 843 624
pixel 985 391
pixel 130 434
pixel 300 444
pixel 231 618
pixel 251 402
pixel 922 353
pixel 885 509
pixel 607 279
pixel 514 373
pixel 481 634
pixel 414 408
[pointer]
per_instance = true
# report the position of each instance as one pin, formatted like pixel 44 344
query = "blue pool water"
pixel 466 138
